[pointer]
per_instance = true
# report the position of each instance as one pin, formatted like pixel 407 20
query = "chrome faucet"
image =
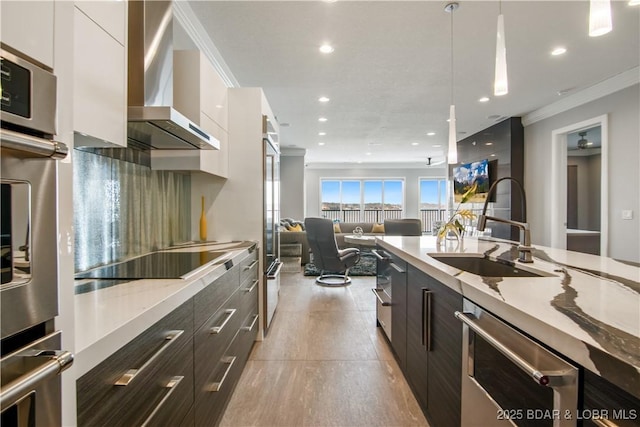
pixel 524 248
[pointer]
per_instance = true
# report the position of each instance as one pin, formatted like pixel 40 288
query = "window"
pixel 366 200
pixel 433 201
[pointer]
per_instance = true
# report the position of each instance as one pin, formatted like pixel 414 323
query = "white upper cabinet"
pixel 197 87
pixel 110 15
pixel 100 75
pixel 27 27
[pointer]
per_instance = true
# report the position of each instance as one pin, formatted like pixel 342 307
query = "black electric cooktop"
pixel 157 265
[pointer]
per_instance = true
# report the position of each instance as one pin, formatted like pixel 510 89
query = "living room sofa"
pixel 346 228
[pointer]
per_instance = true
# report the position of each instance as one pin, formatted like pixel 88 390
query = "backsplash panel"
pixel 124 209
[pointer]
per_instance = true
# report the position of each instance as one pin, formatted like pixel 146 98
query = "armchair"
pixel 326 255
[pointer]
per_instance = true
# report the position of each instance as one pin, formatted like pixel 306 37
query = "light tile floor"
pixel 323 363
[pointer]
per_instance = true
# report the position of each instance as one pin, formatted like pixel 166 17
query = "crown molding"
pixel 375 165
pixel 606 87
pixel 192 25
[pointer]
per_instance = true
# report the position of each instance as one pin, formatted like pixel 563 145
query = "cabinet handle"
pixel 426 318
pixel 250 266
pixel 396 268
pixel 603 423
pixel 377 293
pixel 217 329
pixel 249 290
pixel 131 374
pixel 377 255
pixel 253 323
pixel 171 385
pixel 228 360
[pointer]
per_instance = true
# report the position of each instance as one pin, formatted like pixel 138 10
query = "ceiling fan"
pixel 430 163
pixel 583 142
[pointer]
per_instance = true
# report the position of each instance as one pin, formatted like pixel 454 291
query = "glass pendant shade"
pixel 452 154
pixel 501 84
pixel 599 17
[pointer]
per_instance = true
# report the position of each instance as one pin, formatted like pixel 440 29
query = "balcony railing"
pixel 427 216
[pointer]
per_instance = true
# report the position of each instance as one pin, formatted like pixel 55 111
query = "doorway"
pixel 579 187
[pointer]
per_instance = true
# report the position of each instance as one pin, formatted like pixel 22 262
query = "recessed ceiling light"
pixel 558 51
pixel 326 48
pixel 415 143
pixel 483 99
pixel 322 119
pixel 322 133
pixel 493 155
pixel 323 99
pixel 431 133
pixel 320 143
pixel 436 146
pixel 368 154
pixel 488 143
pixel 219 106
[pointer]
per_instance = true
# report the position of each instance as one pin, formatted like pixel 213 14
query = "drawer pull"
pixel 131 374
pixel 171 385
pixel 227 360
pixel 250 266
pixel 253 323
pixel 249 290
pixel 396 268
pixel 377 292
pixel 217 329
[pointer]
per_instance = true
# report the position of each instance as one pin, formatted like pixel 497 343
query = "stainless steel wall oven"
pixel 31 359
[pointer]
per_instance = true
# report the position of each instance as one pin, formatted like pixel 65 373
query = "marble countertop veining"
pixel 587 307
pixel 108 318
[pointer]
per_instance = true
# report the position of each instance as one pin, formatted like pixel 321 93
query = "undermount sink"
pixel 483 266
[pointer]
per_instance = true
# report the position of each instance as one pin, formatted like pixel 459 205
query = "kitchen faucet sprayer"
pixel 524 248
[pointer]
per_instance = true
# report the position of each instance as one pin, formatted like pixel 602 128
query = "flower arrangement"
pixel 454 225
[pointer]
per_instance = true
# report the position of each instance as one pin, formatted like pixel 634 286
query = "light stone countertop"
pixel 588 308
pixel 107 319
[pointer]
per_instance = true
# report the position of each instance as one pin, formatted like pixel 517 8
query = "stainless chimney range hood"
pixel 153 122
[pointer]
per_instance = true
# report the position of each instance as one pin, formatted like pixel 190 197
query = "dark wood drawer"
pixel 156 364
pixel 213 397
pixel 249 266
pixel 248 294
pixel 213 338
pixel 213 296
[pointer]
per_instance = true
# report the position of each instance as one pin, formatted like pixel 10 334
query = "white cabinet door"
pixel 214 94
pixel 110 15
pixel 27 26
pixel 215 162
pixel 100 95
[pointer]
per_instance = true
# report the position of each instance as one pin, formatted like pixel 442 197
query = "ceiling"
pixel 389 78
pixel 594 137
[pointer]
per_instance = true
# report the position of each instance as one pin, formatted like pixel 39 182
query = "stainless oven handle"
pixel 15 390
pixel 539 377
pixel 33 145
pixel 377 255
pixel 131 374
pixel 173 384
pixel 273 275
pixel 377 291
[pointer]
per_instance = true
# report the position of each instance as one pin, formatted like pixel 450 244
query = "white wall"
pixel 411 184
pixel 623 112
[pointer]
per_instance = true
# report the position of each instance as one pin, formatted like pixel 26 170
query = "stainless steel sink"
pixel 483 266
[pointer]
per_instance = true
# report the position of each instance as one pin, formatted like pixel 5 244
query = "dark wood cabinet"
pixel 187 364
pixel 433 347
pixel 602 399
pixel 398 275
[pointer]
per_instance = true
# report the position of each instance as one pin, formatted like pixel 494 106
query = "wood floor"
pixel 323 363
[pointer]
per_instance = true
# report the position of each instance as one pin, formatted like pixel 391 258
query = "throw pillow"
pixel 296 227
pixel 377 228
pixel 336 228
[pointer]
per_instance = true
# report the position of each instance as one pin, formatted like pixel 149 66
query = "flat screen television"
pixel 465 175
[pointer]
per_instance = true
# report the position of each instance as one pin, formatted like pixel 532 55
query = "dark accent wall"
pixel 504 143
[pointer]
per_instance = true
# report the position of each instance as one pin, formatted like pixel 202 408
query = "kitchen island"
pixel 584 307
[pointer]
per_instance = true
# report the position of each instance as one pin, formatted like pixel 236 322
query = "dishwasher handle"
pixel 549 379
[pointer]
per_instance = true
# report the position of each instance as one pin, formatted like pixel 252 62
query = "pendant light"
pixel 599 17
pixel 452 154
pixel 501 84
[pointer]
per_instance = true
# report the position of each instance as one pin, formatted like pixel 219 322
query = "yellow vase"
pixel 203 223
